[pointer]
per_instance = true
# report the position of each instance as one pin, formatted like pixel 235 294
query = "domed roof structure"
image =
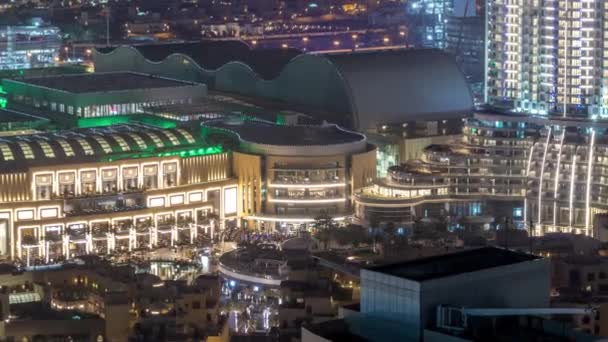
pixel 357 89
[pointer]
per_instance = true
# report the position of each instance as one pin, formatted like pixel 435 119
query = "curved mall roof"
pixel 268 63
pixel 88 144
pixel 268 138
pixel 356 89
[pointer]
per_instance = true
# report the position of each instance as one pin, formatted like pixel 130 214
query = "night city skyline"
pixel 310 170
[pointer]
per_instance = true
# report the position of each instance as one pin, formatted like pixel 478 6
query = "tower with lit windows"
pixel 548 56
pixel 429 18
pixel 548 61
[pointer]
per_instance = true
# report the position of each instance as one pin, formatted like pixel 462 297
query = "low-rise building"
pixel 400 301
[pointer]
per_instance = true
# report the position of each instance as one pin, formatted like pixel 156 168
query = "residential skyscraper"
pixel 540 147
pixel 548 56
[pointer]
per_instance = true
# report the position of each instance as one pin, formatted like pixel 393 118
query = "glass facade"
pixel 430 18
pixel 548 56
pixel 24 47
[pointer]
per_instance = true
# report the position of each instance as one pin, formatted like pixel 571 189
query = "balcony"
pixel 307 199
pixel 96 195
pixel 98 211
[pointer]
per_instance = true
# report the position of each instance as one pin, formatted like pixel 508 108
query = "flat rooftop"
pixel 213 107
pixel 102 82
pixel 40 311
pixel 298 135
pixel 7 115
pixel 455 263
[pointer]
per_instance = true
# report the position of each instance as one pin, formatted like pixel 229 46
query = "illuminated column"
pixel 132 239
pixel 87 244
pixel 66 246
pixel 572 183
pixel 98 183
pixel 588 187
pixel 557 175
pixel 540 182
pixel 27 253
pixel 528 166
pixel 151 237
pixel 193 232
pixel 46 251
pixel 42 248
pixel 110 242
pixel 173 234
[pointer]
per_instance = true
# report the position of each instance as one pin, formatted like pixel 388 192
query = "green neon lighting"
pixel 154 121
pixel 203 151
pixel 105 121
pixel 280 119
pixel 3 99
pixel 183 153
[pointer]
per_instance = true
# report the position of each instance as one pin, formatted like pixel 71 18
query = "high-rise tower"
pixel 548 56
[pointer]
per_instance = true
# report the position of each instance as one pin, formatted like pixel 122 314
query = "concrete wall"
pixel 390 297
pixel 363 169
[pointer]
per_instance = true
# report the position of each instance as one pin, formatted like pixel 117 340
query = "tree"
pixel 325 226
pixel 358 235
pixel 324 221
pixel 324 236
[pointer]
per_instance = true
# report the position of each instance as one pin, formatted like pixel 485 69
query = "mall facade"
pixel 91 181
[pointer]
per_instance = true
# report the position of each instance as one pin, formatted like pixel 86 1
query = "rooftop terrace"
pixel 271 134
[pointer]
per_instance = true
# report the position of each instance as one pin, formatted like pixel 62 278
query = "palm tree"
pixel 325 228
pixel 324 221
pixel 324 236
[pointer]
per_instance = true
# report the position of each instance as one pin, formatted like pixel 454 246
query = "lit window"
pixel 187 135
pixel 138 140
pixel 7 153
pixel 156 139
pixel 85 146
pixel 123 144
pixel 47 149
pixel 104 144
pixel 172 137
pixel 27 150
pixel 67 148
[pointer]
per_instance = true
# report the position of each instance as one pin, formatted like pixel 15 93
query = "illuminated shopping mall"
pixel 163 152
pixel 80 175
